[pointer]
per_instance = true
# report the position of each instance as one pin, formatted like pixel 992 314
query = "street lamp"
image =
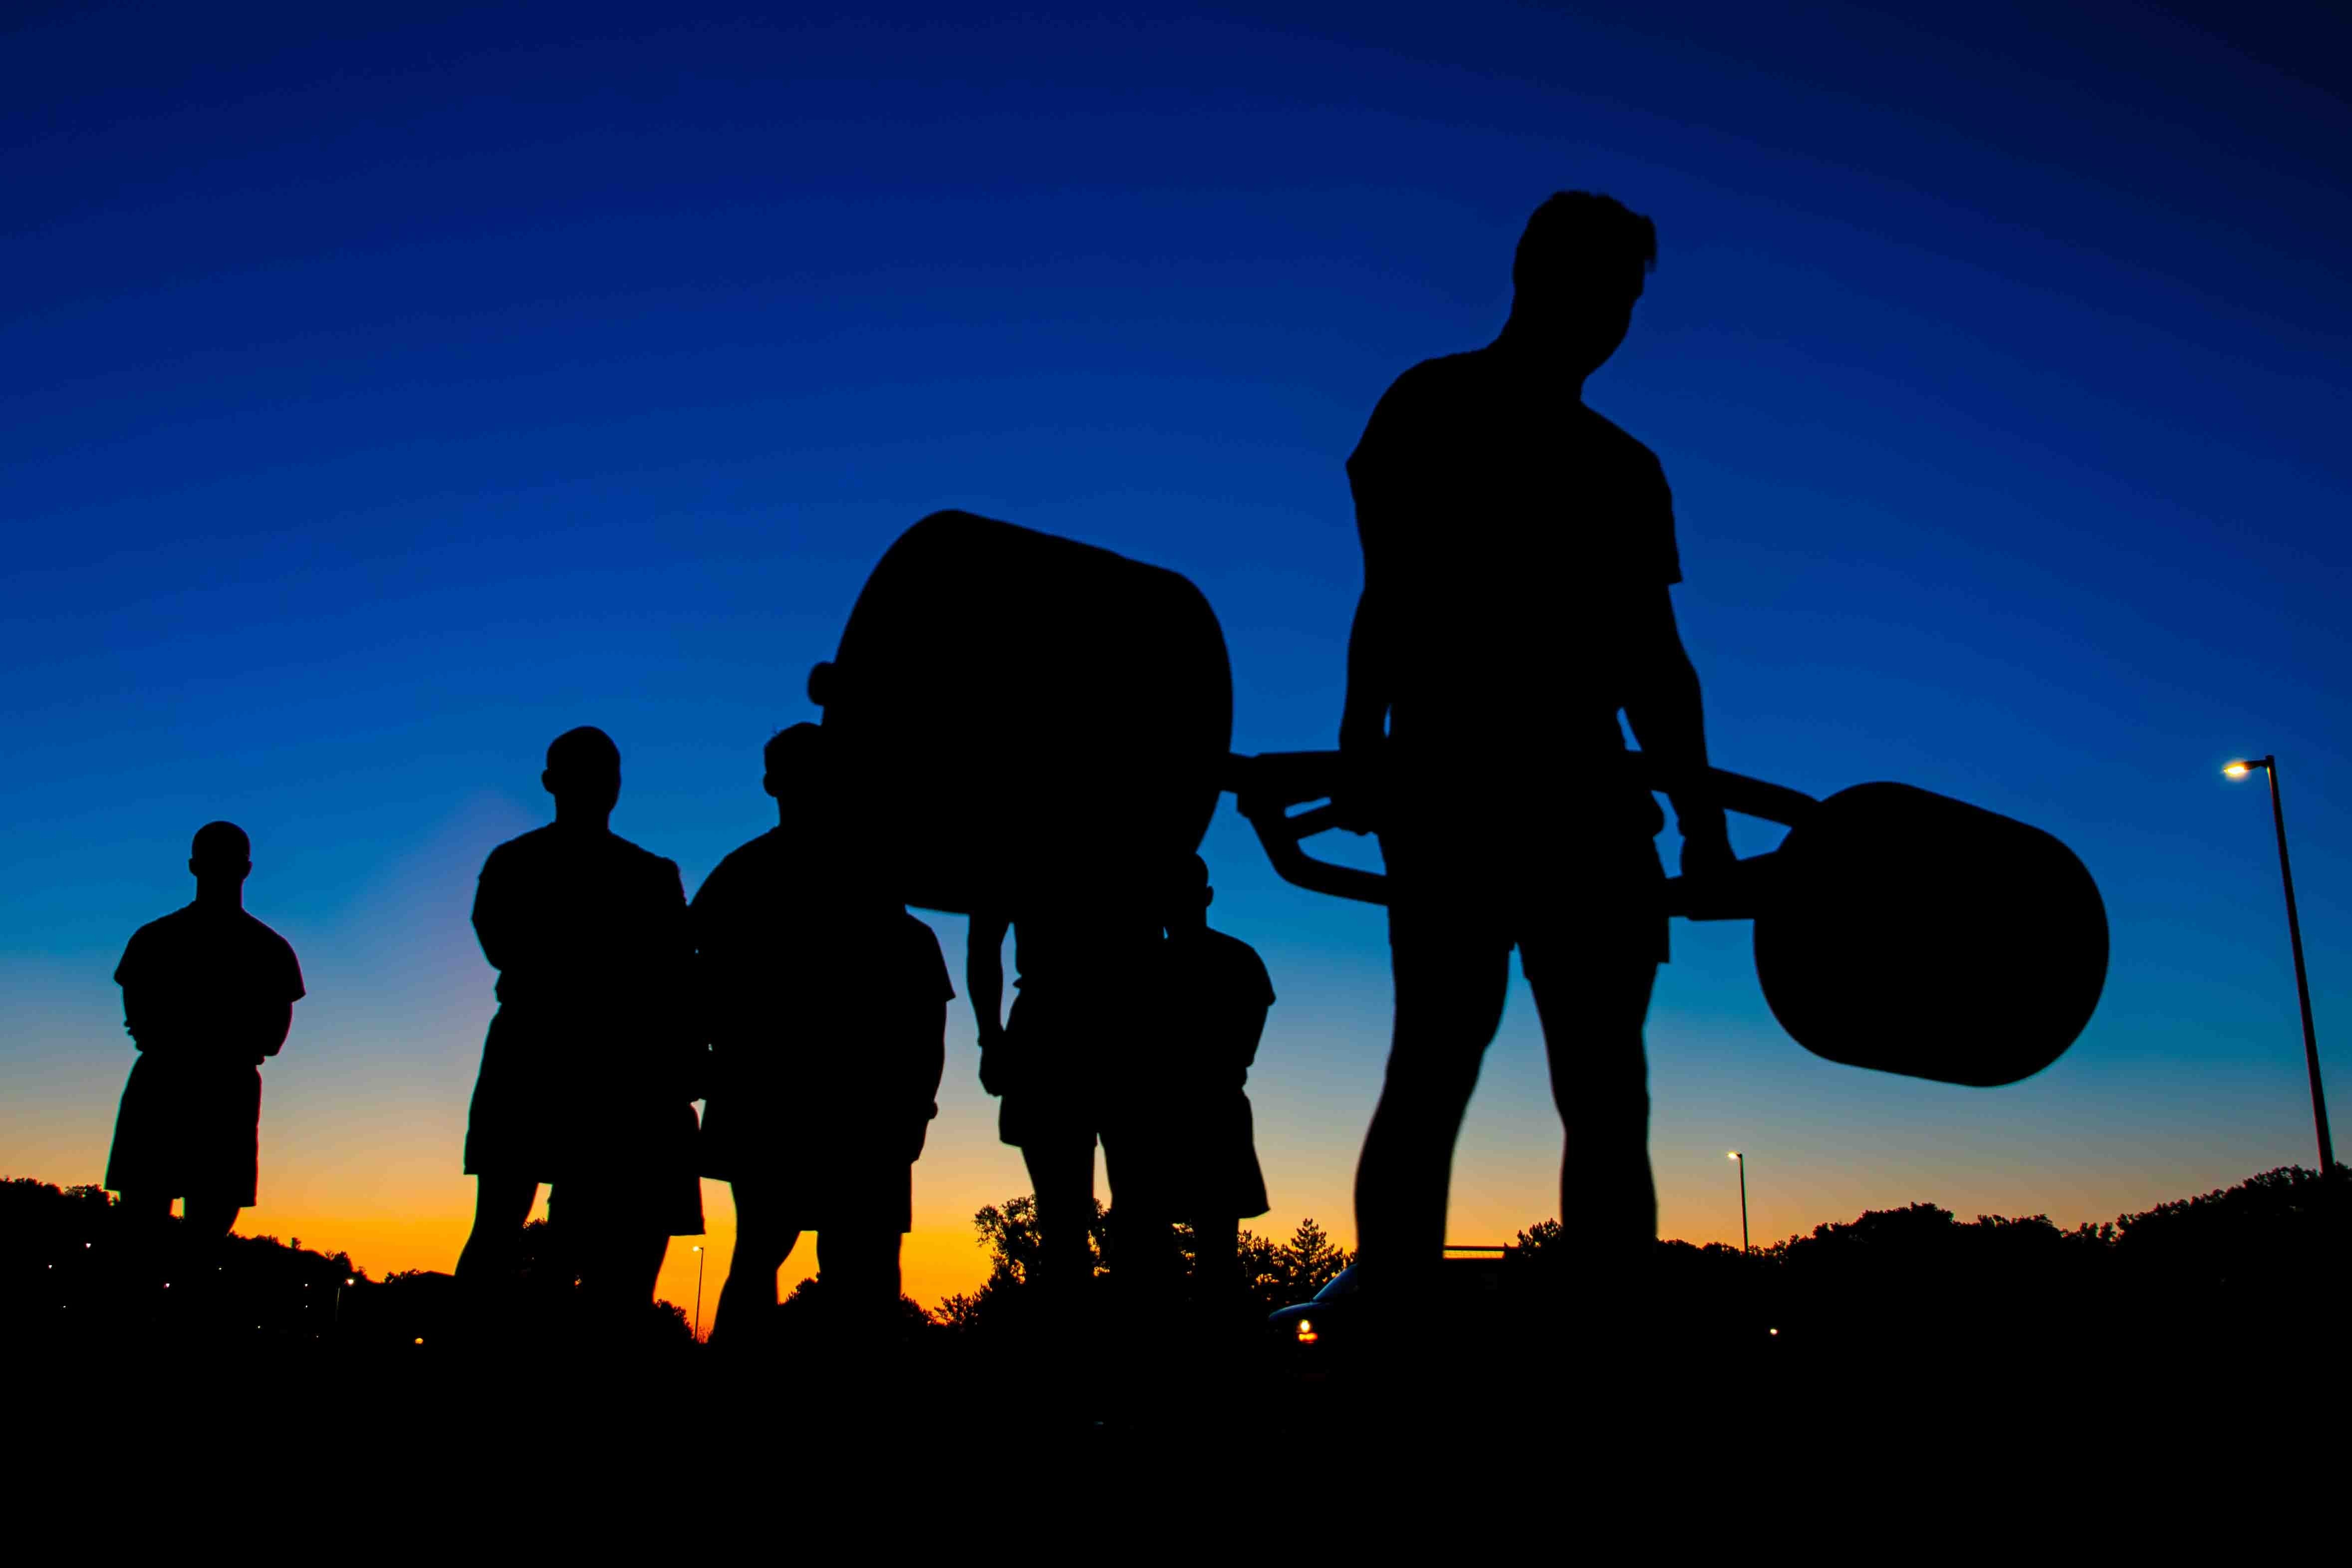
pixel 1740 1160
pixel 2238 770
pixel 698 1295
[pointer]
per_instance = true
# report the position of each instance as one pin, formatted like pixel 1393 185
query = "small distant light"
pixel 2237 770
pixel 1774 1333
pixel 85 1246
pixel 1307 1334
pixel 1734 1154
pixel 420 1340
pixel 351 1281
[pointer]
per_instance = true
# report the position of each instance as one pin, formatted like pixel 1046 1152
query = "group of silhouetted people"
pixel 1517 551
pixel 795 996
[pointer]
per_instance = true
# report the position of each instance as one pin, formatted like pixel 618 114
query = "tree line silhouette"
pixel 2215 1266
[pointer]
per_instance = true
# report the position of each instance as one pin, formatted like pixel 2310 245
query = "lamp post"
pixel 1737 1158
pixel 2238 770
pixel 698 1295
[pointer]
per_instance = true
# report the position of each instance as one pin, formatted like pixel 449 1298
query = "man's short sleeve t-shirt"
pixel 198 973
pixel 1509 532
pixel 1216 995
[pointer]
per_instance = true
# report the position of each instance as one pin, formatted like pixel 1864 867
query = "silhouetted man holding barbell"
pixel 1517 551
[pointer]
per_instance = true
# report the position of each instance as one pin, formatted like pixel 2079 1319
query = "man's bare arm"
pixel 1669 723
pixel 272 1023
pixel 983 974
pixel 984 981
pixel 1363 721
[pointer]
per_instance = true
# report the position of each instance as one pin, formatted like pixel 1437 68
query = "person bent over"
pixel 827 1004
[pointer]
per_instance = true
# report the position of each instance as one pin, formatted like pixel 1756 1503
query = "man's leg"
pixel 1450 980
pixel 1148 1261
pixel 141 1261
pixel 1216 1264
pixel 747 1302
pixel 1062 1175
pixel 1593 1001
pixel 859 1265
pixel 620 1262
pixel 501 1208
pixel 206 1221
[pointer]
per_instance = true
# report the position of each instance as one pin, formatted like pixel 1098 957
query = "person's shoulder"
pixel 162 927
pixel 744 858
pixel 1439 381
pixel 157 937
pixel 260 931
pixel 519 850
pixel 1628 448
pixel 644 860
pixel 1229 946
pixel 1247 970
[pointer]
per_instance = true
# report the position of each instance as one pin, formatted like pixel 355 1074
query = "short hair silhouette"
pixel 789 748
pixel 1581 235
pixel 1187 884
pixel 586 750
pixel 220 844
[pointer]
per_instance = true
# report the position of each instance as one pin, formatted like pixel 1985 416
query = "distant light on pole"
pixel 1737 1158
pixel 698 1295
pixel 2269 764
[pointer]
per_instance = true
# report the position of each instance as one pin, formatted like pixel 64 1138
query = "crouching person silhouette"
pixel 1177 1136
pixel 208 992
pixel 827 1007
pixel 590 1069
pixel 1517 551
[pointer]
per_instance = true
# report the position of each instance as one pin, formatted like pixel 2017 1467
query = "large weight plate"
pixel 1916 934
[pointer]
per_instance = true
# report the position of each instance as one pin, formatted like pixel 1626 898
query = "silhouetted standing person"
pixel 827 1008
pixel 1518 552
pixel 1082 967
pixel 590 1069
pixel 208 992
pixel 1179 1138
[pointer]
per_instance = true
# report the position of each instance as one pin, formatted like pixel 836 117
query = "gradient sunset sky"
pixel 387 389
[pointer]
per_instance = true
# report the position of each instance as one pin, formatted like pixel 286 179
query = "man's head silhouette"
pixel 584 774
pixel 1575 277
pixel 219 859
pixel 794 760
pixel 1186 898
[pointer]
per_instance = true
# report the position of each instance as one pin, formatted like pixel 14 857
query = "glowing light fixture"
pixel 2269 764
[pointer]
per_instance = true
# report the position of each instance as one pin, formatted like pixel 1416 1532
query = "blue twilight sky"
pixel 381 393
